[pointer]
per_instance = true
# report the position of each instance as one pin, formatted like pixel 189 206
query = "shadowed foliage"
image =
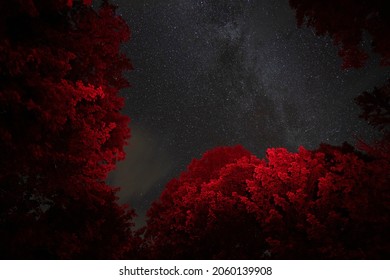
pixel 61 130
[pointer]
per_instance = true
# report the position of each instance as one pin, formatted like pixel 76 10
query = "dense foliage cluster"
pixel 329 203
pixel 61 130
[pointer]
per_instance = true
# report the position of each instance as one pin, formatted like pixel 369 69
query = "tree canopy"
pixel 326 204
pixel 61 130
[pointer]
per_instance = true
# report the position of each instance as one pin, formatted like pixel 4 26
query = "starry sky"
pixel 222 72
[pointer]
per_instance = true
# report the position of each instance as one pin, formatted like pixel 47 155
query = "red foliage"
pixel 345 21
pixel 61 130
pixel 330 203
pixel 198 216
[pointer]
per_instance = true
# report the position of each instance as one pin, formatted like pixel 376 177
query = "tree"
pixel 376 111
pixel 325 204
pixel 376 106
pixel 346 21
pixel 331 203
pixel 61 130
pixel 197 215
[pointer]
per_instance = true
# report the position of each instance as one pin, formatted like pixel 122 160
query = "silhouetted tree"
pixel 346 21
pixel 330 203
pixel 376 106
pixel 61 130
pixel 376 111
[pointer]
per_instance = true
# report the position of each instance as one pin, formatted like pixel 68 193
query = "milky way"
pixel 211 73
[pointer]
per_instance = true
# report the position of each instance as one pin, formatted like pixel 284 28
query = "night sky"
pixel 212 73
